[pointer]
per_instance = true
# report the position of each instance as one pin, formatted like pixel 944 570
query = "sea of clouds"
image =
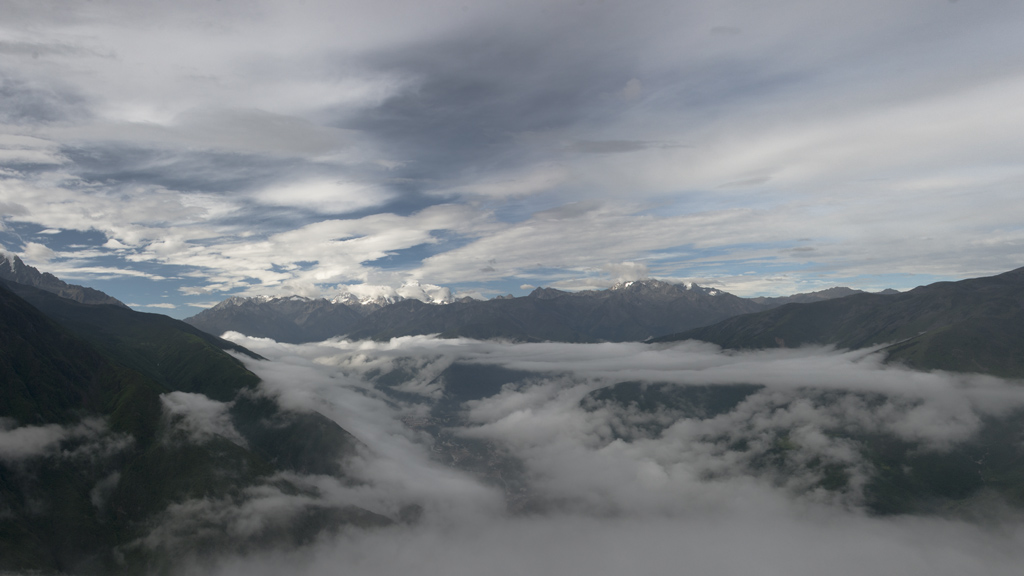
pixel 611 488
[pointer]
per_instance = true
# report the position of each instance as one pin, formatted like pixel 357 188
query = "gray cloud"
pixel 101 492
pixel 617 146
pixel 17 443
pixel 768 541
pixel 28 102
pixel 800 121
pixel 195 522
pixel 89 439
pixel 119 164
pixel 200 417
pixel 622 489
pixel 477 95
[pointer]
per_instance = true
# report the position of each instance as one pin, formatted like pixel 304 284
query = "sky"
pixel 175 154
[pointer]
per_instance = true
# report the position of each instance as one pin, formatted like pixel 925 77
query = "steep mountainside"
pixel 13 269
pixel 100 440
pixel 974 325
pixel 168 351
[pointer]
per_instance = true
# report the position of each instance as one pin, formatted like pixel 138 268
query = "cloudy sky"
pixel 172 154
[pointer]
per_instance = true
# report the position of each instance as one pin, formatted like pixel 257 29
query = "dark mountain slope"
pixel 639 310
pixel 170 352
pixel 628 312
pixel 90 379
pixel 974 325
pixel 519 319
pixel 291 319
pixel 48 374
pixel 805 297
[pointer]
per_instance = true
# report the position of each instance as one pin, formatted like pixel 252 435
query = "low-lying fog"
pixel 557 472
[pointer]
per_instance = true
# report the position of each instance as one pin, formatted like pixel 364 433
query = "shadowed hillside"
pixel 99 442
pixel 974 325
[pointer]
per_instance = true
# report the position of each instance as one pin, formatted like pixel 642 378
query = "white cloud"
pixel 612 496
pixel 18 443
pixel 572 453
pixel 339 247
pixel 776 542
pixel 164 305
pixel 200 417
pixel 36 253
pixel 69 270
pixel 627 271
pixel 24 442
pixel 328 197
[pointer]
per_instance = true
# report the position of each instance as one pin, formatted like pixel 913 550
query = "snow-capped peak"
pixel 652 284
pixel 240 300
pixel 377 295
pixel 645 283
pixel 259 299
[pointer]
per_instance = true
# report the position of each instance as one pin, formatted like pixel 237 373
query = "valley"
pixel 160 446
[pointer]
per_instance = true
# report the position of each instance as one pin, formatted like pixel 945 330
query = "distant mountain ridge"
pixel 628 311
pixel 13 269
pixel 366 298
pixel 290 319
pixel 974 325
pixel 805 297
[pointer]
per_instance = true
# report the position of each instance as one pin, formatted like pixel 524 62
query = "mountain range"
pixel 112 420
pixel 974 325
pixel 629 311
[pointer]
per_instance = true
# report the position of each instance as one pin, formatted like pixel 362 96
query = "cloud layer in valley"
pixel 580 482
pixel 176 155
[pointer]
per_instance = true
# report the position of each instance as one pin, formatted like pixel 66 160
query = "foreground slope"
pixel 172 353
pixel 974 325
pixel 50 379
pixel 99 439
